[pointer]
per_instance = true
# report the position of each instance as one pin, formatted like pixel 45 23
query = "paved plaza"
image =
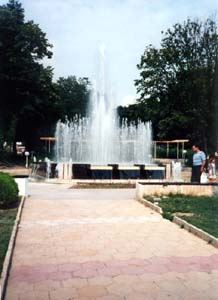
pixel 89 244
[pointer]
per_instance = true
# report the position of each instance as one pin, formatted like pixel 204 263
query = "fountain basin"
pixel 101 172
pixel 70 171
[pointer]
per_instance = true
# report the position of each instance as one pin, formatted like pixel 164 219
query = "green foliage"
pixel 189 158
pixel 177 81
pixel 8 190
pixel 26 86
pixel 161 152
pixel 167 215
pixel 73 96
pixel 7 218
pixel 133 113
pixel 8 159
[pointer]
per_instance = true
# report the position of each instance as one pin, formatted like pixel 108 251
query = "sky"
pixel 78 28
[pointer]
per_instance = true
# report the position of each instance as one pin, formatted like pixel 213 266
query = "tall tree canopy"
pixel 24 83
pixel 177 82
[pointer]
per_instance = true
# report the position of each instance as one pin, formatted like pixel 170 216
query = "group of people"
pixel 202 163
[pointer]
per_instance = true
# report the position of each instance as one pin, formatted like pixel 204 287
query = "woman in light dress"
pixel 212 170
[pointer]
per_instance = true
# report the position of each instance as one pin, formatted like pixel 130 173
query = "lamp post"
pixel 27 156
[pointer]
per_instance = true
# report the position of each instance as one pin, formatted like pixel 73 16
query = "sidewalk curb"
pixel 196 231
pixel 153 206
pixel 9 253
pixel 210 239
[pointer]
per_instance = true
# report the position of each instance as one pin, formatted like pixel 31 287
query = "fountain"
pixel 82 143
pixel 99 138
pixel 99 146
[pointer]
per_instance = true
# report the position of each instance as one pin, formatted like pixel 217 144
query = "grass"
pixel 200 211
pixel 7 218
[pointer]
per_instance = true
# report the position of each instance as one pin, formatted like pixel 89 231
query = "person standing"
pixel 212 170
pixel 199 161
pixel 216 161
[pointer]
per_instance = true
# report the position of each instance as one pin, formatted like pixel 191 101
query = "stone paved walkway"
pixel 103 245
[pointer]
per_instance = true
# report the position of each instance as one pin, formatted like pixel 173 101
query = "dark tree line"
pixel 30 101
pixel 178 84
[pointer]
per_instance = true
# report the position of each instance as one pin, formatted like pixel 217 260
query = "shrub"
pixel 8 190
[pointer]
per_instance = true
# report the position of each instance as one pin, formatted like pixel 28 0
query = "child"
pixel 212 170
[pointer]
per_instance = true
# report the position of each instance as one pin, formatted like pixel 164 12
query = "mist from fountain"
pixel 98 138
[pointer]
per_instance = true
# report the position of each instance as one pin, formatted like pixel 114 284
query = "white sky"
pixel 77 28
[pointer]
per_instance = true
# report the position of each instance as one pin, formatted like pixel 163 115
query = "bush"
pixel 8 190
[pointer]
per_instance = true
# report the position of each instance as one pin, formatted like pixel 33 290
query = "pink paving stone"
pixel 46 285
pixel 26 270
pixel 149 289
pixel 68 267
pixel 63 294
pixel 39 295
pixel 93 265
pixel 140 296
pixel 138 262
pixel 82 273
pixel 46 268
pixel 193 263
pixel 110 271
pixel 120 290
pixel 101 280
pixel 158 260
pixel 29 277
pixel 201 267
pixel 92 291
pixel 12 294
pixel 180 268
pixel 155 268
pixel 74 282
pixel 113 268
pixel 111 297
pixel 124 279
pixel 132 270
pixel 19 270
pixel 115 263
pixel 58 276
pixel 214 258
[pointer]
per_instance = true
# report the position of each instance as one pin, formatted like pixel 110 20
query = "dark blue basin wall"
pixel 84 171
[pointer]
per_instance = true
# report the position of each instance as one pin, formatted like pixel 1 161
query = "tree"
pixel 40 113
pixel 25 85
pixel 73 96
pixel 177 81
pixel 132 113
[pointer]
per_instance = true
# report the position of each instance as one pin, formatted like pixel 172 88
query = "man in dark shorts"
pixel 198 164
